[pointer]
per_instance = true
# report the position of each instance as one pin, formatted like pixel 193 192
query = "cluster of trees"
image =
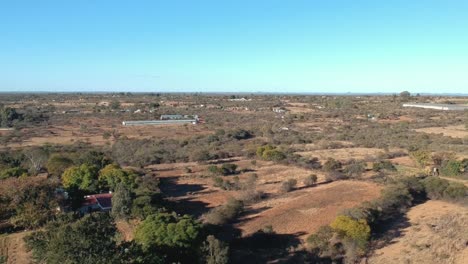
pixel 10 117
pixel 447 162
pixel 91 239
pixel 144 152
pixel 28 202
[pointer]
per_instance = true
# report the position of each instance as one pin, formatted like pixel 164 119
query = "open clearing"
pixel 437 233
pixel 449 131
pixel 14 248
pixel 342 154
pixel 304 211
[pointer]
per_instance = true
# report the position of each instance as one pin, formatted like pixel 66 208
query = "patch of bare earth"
pixel 304 211
pixel 14 248
pixel 449 131
pixel 437 233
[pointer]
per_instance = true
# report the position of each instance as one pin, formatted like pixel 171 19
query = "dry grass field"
pixel 436 232
pixel 299 212
pixel 305 210
pixel 91 130
pixel 449 131
pixel 343 154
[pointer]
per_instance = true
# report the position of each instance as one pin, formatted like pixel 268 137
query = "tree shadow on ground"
pixel 170 188
pixel 262 247
pixel 178 197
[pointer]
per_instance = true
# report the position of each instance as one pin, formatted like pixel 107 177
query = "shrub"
pixel 241 134
pixel 383 165
pixel 332 165
pixel 320 241
pixel 12 172
pixel 435 187
pixel 288 185
pixel 228 169
pixel 451 167
pixel 356 230
pixel 225 213
pixel 215 251
pixel 422 157
pixel 455 191
pixel 354 169
pixel 310 180
pixel 271 153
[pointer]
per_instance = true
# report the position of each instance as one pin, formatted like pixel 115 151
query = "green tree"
pixel 121 202
pixel 112 175
pixel 356 230
pixel 451 167
pixel 8 116
pixel 88 240
pixel 83 177
pixel 168 230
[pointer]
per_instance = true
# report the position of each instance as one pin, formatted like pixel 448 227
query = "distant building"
pixel 239 99
pixel 444 107
pixel 171 117
pixel 279 110
pixel 101 202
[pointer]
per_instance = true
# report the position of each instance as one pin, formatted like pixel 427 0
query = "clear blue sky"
pixel 234 46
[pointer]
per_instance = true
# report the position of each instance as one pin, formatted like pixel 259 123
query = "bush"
pixel 332 165
pixel 435 187
pixel 310 180
pixel 228 169
pixel 383 165
pixel 319 242
pixel 222 214
pixel 356 230
pixel 451 167
pixel 422 157
pixel 354 169
pixel 288 185
pixel 215 251
pixel 455 191
pixel 270 153
pixel 12 172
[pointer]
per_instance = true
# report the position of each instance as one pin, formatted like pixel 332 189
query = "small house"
pixel 101 202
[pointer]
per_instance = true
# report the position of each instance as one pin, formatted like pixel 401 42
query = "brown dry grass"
pixel 449 131
pixel 343 154
pixel 438 233
pixel 96 127
pixel 14 247
pixel 305 210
